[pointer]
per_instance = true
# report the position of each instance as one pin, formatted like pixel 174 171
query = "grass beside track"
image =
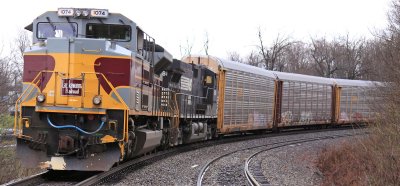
pixel 10 167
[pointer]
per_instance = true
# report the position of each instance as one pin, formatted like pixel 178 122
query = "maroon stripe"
pixel 116 70
pixel 33 64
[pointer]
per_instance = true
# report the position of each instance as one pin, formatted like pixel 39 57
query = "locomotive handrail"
pixel 190 95
pixel 17 104
pixel 208 88
pixel 111 86
pixel 125 133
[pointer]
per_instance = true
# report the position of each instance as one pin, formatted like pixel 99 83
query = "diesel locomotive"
pixel 98 90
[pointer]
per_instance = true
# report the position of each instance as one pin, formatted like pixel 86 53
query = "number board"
pixel 99 13
pixel 65 12
pixel 71 87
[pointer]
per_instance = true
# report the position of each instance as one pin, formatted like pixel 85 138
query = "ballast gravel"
pixel 296 164
pixel 292 165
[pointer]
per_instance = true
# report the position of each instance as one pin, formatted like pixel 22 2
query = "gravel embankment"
pixel 184 168
pixel 296 164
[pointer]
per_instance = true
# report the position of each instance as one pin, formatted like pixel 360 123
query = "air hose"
pixel 74 127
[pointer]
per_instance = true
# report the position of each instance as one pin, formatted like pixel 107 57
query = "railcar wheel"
pixel 165 140
pixel 209 133
pixel 130 145
pixel 180 136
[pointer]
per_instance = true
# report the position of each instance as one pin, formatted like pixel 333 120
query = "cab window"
pixel 47 29
pixel 109 31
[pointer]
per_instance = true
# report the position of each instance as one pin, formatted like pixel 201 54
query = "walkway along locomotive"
pixel 98 90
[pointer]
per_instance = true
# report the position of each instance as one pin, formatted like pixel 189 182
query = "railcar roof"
pixel 273 74
pixel 360 83
pixel 304 78
pixel 233 65
pixel 226 64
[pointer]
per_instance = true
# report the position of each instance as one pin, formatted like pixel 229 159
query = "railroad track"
pixel 254 174
pixel 54 178
pixel 117 173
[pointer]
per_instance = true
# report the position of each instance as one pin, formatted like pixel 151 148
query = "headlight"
pixel 96 100
pixel 85 13
pixel 40 98
pixel 78 13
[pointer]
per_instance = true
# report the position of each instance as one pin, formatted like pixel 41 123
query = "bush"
pixel 11 167
pixel 6 122
pixel 373 161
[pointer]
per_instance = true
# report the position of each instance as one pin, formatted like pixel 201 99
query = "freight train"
pixel 98 90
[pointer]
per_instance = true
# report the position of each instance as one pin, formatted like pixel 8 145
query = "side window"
pixel 208 80
pixel 108 31
pixel 47 29
pixel 146 75
pixel 195 73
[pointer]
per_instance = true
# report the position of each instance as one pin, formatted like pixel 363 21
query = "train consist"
pixel 98 90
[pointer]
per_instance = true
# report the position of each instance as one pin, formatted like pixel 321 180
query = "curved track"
pixel 254 174
pixel 117 173
pixel 54 178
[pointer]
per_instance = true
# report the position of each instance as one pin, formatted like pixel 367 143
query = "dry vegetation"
pixel 10 167
pixel 376 159
pixel 373 161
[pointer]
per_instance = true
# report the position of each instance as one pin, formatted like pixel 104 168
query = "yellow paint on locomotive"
pixel 108 139
pixel 72 66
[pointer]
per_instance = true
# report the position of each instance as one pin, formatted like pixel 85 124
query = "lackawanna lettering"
pixel 71 87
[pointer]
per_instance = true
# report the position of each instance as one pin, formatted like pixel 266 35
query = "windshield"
pixel 47 29
pixel 107 31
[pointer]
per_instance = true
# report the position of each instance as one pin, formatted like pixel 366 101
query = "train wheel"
pixel 209 133
pixel 180 137
pixel 130 145
pixel 165 142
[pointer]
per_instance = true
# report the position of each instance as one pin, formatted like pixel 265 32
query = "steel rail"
pixel 252 179
pixel 134 164
pixel 249 176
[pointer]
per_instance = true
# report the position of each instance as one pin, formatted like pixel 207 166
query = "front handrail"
pixel 111 86
pixel 120 100
pixel 18 103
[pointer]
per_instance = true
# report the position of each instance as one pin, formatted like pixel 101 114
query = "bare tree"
pixel 5 84
pixel 14 63
pixel 235 56
pixel 272 56
pixel 372 67
pixel 206 43
pixel 348 54
pixel 21 43
pixel 186 50
pixel 323 55
pixel 253 59
pixel 297 57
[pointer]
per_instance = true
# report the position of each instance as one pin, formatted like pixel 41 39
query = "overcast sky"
pixel 231 25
